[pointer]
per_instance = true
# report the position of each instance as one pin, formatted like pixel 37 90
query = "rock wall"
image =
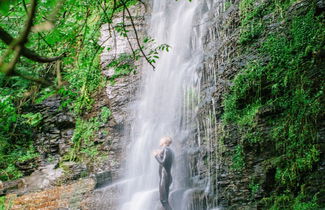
pixel 53 139
pixel 230 188
pixel 212 166
pixel 120 92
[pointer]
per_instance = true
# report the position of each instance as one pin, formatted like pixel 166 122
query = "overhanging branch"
pixel 136 35
pixel 8 39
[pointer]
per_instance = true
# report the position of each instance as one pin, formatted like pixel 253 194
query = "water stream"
pixel 167 105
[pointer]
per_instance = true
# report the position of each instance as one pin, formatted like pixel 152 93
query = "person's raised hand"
pixel 156 152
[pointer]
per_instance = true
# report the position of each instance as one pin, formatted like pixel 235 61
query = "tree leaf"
pixel 4 6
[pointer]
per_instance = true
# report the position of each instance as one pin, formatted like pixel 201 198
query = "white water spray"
pixel 167 104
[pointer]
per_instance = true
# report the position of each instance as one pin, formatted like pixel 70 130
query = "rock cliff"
pixel 214 165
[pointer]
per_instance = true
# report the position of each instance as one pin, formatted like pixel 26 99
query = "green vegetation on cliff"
pixel 277 99
pixel 63 59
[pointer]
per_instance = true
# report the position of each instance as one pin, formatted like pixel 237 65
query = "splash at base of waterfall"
pixel 140 200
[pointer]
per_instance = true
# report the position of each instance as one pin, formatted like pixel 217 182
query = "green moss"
pixel 5 204
pixel 83 147
pixel 238 158
pixel 82 139
pixel 2 203
pixel 105 115
pixel 284 93
pixel 288 201
pixel 227 5
pixel 122 66
pixel 251 25
pixel 254 188
pixel 252 15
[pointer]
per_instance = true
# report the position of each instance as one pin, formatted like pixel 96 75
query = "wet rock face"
pixel 121 93
pixel 227 188
pixel 212 166
pixel 57 128
pixel 44 177
pixel 119 96
pixel 52 138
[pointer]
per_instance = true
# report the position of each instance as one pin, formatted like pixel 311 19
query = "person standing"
pixel 165 158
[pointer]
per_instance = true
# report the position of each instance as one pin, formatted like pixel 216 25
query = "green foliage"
pixel 301 204
pixel 245 91
pixel 2 203
pixel 84 148
pixel 72 29
pixel 227 5
pixel 10 172
pixel 254 188
pixel 154 50
pixel 285 93
pixel 28 155
pixel 288 201
pixel 122 66
pixel 8 112
pixel 5 204
pixel 83 72
pixel 11 155
pixel 238 158
pixel 4 6
pixel 33 119
pixel 252 17
pixel 15 135
pixel 105 114
pixel 251 25
pixel 251 31
pixel 83 145
pixel 125 63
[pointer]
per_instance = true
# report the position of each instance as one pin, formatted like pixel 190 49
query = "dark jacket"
pixel 165 160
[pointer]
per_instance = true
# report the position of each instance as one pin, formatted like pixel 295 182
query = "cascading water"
pixel 167 104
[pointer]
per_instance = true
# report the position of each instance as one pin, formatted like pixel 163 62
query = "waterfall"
pixel 167 105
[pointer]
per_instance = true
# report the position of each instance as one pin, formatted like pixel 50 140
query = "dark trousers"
pixel 164 185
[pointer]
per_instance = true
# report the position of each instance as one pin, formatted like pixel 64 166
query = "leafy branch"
pixel 30 54
pixel 17 46
pixel 136 35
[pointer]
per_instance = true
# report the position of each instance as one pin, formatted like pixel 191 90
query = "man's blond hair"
pixel 167 140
